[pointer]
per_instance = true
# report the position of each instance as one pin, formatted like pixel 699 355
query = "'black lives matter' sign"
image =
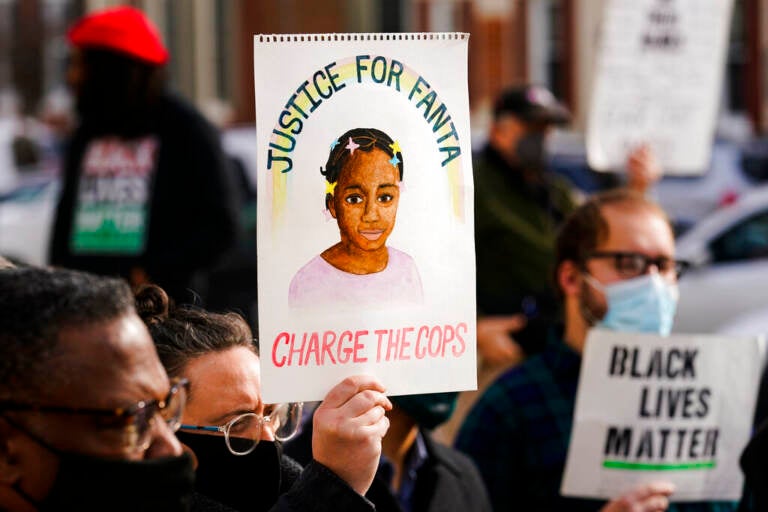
pixel 668 392
pixel 652 408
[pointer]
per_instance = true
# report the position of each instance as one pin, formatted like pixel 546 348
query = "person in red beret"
pixel 148 194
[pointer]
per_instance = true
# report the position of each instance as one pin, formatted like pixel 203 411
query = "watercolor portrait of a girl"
pixel 363 177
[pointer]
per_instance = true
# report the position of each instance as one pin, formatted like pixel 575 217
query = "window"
pixel 747 240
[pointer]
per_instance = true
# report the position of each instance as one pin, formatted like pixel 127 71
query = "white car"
pixel 726 288
pixel 686 199
pixel 26 217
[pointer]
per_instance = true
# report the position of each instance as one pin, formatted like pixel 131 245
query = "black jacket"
pixel 192 207
pixel 447 482
pixel 318 489
pixel 754 465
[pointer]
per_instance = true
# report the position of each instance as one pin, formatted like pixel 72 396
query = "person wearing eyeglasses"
pixel 519 206
pixel 236 437
pixel 87 412
pixel 615 268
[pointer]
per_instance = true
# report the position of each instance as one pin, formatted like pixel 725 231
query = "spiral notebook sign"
pixel 361 69
pixel 356 132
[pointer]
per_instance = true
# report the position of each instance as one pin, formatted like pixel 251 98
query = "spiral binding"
pixel 393 36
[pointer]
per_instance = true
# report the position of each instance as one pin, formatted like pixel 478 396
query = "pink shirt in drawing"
pixel 318 284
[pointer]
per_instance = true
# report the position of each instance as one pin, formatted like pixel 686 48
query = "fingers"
pixel 353 404
pixel 372 424
pixel 499 350
pixel 364 401
pixel 642 160
pixel 650 497
pixel 500 323
pixel 377 427
pixel 644 491
pixel 349 387
pixel 654 503
pixel 348 429
pixel 494 339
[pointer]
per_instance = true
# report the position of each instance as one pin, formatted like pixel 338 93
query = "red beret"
pixel 121 29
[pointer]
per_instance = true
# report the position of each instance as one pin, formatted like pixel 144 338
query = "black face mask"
pixel 530 151
pixel 93 483
pixel 244 482
pixel 90 483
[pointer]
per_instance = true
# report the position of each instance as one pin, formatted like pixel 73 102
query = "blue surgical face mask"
pixel 644 304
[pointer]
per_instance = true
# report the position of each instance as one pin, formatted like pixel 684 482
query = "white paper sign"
pixel 675 409
pixel 365 213
pixel 658 78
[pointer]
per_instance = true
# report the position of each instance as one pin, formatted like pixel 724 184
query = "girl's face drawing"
pixel 365 200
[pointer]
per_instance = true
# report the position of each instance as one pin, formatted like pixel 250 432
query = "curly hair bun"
pixel 152 303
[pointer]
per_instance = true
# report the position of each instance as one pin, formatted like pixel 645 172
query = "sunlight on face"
pixel 223 385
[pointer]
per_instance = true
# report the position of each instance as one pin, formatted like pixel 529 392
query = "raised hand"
pixel 348 428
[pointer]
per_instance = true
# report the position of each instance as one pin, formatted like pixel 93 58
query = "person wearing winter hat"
pixel 148 194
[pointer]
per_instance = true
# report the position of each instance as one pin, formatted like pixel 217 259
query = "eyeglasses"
pixel 634 264
pixel 136 421
pixel 243 433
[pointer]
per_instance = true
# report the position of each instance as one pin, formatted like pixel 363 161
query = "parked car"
pixel 26 217
pixel 8 172
pixel 685 198
pixel 727 286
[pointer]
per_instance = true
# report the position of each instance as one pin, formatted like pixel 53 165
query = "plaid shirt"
pixel 518 434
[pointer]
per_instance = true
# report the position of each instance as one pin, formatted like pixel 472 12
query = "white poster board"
pixel 675 409
pixel 658 79
pixel 329 307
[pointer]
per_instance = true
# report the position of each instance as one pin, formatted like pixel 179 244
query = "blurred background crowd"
pixel 549 42
pixel 90 116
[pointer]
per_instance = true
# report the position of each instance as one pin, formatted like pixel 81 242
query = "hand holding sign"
pixel 658 75
pixel 650 408
pixel 643 169
pixel 650 497
pixel 348 428
pixel 495 343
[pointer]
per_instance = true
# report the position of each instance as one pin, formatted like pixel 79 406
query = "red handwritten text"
pixel 318 348
pixel 403 344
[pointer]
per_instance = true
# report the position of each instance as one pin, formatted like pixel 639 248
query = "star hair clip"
pixel 352 146
pixel 395 147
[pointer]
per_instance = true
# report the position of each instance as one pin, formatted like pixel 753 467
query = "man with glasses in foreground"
pixel 616 269
pixel 87 413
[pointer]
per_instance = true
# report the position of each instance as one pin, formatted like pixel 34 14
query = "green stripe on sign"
pixel 639 466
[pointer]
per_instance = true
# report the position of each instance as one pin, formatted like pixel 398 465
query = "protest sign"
pixel 658 76
pixel 365 232
pixel 652 408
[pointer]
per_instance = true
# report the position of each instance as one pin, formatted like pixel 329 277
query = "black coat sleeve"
pixel 319 489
